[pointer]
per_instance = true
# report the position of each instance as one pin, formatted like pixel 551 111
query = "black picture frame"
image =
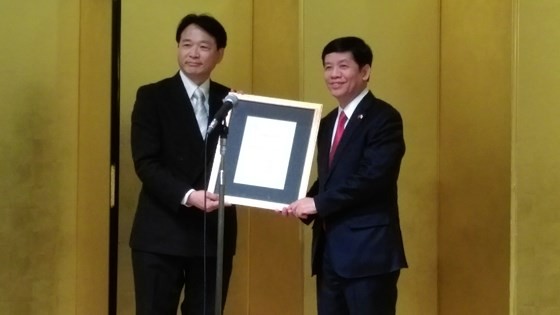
pixel 268 153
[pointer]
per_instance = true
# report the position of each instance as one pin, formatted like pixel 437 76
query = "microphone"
pixel 229 101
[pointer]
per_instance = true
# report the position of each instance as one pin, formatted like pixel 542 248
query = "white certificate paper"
pixel 265 152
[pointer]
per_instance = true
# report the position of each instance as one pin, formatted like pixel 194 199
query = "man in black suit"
pixel 357 244
pixel 174 234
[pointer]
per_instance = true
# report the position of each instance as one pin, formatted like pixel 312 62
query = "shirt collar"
pixel 351 107
pixel 190 86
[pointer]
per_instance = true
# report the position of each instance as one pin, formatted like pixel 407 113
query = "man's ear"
pixel 366 72
pixel 221 53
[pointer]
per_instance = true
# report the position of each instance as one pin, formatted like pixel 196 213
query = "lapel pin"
pixel 360 116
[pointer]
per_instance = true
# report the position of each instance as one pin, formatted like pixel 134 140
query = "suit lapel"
pixel 353 126
pixel 182 107
pixel 214 101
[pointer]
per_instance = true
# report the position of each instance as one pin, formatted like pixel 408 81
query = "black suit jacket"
pixel 168 153
pixel 356 198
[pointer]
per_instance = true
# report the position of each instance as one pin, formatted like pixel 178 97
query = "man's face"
pixel 344 79
pixel 197 53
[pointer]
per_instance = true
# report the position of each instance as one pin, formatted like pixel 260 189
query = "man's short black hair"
pixel 207 23
pixel 360 50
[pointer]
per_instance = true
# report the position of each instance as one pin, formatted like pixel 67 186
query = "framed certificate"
pixel 268 152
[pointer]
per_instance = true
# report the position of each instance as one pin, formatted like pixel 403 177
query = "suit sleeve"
pixel 313 190
pixel 146 143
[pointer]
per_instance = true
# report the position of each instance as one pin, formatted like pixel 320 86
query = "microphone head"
pixel 231 98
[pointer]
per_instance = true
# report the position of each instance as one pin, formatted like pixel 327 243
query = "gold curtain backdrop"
pixel 475 82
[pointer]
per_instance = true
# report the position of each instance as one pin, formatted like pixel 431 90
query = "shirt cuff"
pixel 186 198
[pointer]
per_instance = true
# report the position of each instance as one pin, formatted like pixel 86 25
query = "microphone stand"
pixel 221 209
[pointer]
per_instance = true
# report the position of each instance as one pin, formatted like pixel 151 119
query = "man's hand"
pixel 301 208
pixel 204 200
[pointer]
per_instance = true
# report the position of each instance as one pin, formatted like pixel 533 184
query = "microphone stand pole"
pixel 221 206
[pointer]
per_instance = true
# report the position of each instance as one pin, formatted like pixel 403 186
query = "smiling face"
pixel 343 76
pixel 197 53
